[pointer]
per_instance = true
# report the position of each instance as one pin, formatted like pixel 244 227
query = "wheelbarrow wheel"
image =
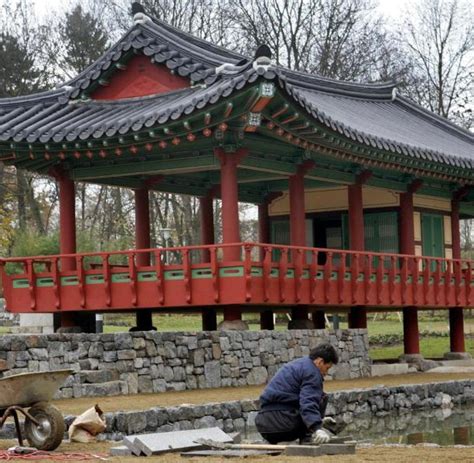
pixel 50 433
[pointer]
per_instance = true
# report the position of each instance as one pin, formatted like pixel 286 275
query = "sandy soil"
pixel 377 454
pixel 145 401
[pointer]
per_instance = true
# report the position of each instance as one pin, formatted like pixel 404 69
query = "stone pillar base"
pixel 301 324
pixel 457 356
pixel 410 358
pixel 232 325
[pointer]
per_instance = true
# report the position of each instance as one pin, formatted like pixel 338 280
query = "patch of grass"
pixel 429 347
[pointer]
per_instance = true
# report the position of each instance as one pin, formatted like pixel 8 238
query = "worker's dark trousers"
pixel 285 425
pixel 281 425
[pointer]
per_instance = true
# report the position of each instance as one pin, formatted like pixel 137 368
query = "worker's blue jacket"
pixel 297 386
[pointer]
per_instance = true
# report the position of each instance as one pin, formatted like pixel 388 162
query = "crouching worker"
pixel 293 404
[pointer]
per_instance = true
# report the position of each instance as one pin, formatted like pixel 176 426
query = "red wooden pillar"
pixel 411 335
pixel 298 225
pixel 142 225
pixel 206 212
pixel 456 314
pixel 67 245
pixel 67 221
pixel 266 316
pixel 358 315
pixel 142 241
pixel 230 213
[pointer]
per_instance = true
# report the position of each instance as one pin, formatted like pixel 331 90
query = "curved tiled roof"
pixel 370 114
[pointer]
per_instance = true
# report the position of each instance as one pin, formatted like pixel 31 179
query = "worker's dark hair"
pixel 324 351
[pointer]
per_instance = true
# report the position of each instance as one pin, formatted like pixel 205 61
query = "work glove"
pixel 321 437
pixel 329 422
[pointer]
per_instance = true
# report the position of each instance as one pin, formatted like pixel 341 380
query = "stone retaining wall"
pixel 143 362
pixel 355 407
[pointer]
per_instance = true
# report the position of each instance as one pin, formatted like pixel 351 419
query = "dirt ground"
pixel 145 401
pixel 398 454
pixel 378 454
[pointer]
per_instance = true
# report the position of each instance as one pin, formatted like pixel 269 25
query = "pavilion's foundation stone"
pixel 144 362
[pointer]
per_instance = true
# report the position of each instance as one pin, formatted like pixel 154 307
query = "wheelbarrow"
pixel 44 424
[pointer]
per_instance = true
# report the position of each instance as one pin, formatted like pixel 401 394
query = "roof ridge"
pixel 169 27
pixel 35 97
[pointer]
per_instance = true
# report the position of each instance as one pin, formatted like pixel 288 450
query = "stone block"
pixel 212 373
pixel 121 451
pixel 127 354
pixel 338 449
pixel 303 451
pixel 110 388
pixel 154 444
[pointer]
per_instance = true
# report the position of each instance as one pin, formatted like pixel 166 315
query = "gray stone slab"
pixel 156 443
pixel 229 453
pixel 121 451
pixel 303 451
pixel 337 449
pixel 129 442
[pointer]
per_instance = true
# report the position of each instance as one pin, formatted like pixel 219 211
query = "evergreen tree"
pixel 84 40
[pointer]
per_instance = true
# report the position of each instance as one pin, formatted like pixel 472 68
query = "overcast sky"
pixel 390 8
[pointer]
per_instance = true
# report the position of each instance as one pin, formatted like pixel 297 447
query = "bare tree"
pixel 439 35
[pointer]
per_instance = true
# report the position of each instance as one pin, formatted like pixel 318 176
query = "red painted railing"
pixel 266 274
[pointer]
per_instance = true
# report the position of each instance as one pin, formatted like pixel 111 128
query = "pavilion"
pixel 359 190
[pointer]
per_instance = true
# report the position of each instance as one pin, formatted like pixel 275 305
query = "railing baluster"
pixel 215 274
pixel 468 283
pixel 159 277
pixel 106 273
pixel 415 278
pixel 341 277
pixel 187 275
pixel 282 270
pixel 355 270
pixel 267 271
pixel 404 280
pixel 30 272
pixel 380 275
pixel 248 272
pixel 56 283
pixel 80 281
pixel 457 281
pixel 132 271
pixel 367 276
pixel 298 269
pixel 391 278
pixel 328 275
pixel 313 275
pixel 437 280
pixel 447 282
pixel 426 279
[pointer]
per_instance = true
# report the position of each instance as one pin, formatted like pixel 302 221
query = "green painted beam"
pixel 268 165
pixel 330 175
pixel 156 167
pixel 466 209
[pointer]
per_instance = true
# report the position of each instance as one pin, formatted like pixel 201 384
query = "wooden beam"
pixel 161 166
